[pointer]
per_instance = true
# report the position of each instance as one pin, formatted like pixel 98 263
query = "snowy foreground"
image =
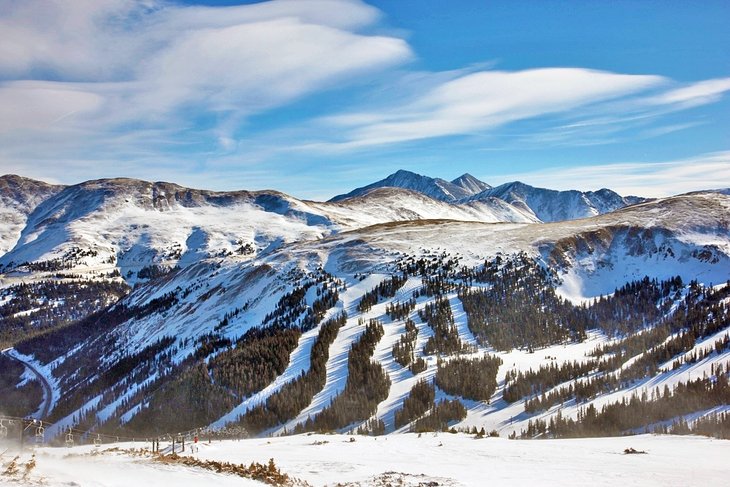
pixel 404 460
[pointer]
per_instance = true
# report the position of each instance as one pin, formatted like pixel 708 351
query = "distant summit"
pixel 470 183
pixel 549 205
pixel 436 188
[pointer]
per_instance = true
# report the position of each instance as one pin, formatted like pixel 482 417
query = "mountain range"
pixel 144 308
pixel 542 204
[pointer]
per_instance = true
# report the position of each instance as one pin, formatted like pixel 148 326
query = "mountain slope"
pixel 18 198
pixel 127 224
pixel 387 204
pixel 550 205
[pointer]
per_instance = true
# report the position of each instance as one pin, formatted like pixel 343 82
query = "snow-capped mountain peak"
pixel 436 188
pixel 470 183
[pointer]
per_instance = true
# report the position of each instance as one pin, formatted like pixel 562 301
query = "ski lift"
pixel 3 429
pixel 97 441
pixel 69 438
pixel 40 433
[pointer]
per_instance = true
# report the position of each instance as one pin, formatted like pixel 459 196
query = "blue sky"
pixel 315 97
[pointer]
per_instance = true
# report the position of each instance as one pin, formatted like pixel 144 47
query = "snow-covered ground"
pixel 405 460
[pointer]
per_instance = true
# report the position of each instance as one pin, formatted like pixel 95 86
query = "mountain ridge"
pixel 550 205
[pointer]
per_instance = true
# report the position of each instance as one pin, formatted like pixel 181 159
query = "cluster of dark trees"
pixel 55 342
pixel 260 355
pixel 153 271
pixel 442 264
pixel 201 387
pixel 469 378
pixel 289 307
pixel 435 286
pixel 635 305
pixel 701 314
pixel 415 405
pixel 17 401
pixel 194 392
pixel 613 354
pixel 33 308
pixel 53 265
pixel 130 368
pixel 445 339
pixel 719 346
pixel 185 400
pixel 521 309
pixel 70 259
pixel 404 350
pixel 209 382
pixel 519 384
pixel 372 427
pixel 327 297
pixel 385 289
pixel 639 413
pixel 367 385
pixel 579 390
pixel 400 311
pixel 294 396
pixel 292 309
pixel 440 416
pixel 713 424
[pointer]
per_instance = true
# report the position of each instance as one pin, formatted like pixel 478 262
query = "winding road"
pixel 46 404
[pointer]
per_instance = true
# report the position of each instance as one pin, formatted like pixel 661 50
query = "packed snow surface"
pixel 409 460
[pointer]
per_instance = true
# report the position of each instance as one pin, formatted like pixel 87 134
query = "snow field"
pixel 450 459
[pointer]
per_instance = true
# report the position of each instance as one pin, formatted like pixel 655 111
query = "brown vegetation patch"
pixel 269 473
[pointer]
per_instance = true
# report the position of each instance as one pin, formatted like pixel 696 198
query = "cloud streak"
pixel 479 103
pixel 488 99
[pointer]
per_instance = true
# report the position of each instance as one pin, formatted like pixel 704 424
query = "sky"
pixel 316 97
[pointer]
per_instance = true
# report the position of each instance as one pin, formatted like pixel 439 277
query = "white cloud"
pixel 146 61
pixel 39 105
pixel 648 179
pixel 695 94
pixel 251 67
pixel 487 99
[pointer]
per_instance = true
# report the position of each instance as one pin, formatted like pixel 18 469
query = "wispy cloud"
pixel 95 68
pixel 583 107
pixel 488 99
pixel 648 179
pixel 695 94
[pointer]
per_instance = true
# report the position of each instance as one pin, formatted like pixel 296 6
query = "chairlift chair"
pixel 69 438
pixel 40 433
